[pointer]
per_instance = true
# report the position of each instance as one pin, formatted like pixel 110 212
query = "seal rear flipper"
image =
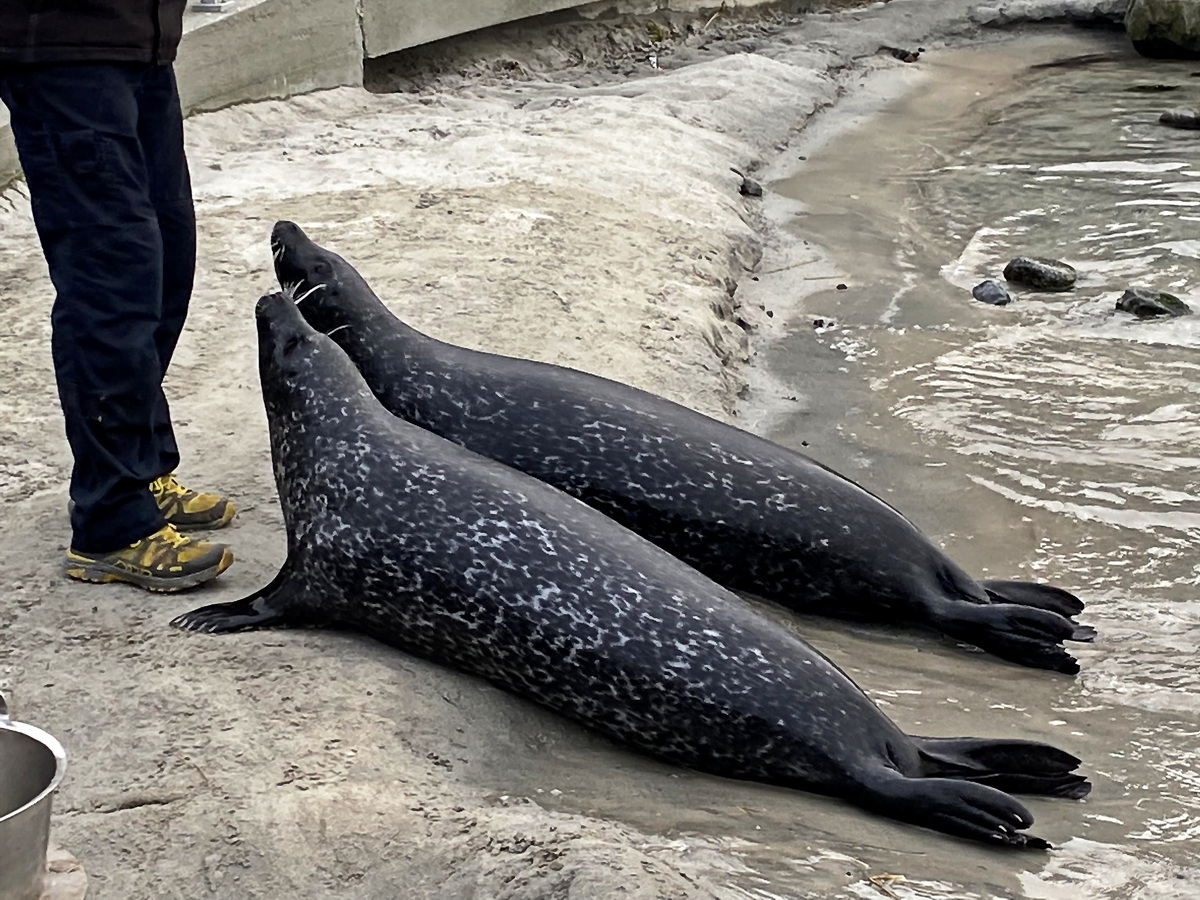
pixel 265 607
pixel 1016 766
pixel 1039 596
pixel 1021 634
pixel 960 808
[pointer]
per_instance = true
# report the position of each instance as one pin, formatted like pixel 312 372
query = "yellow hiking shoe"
pixel 164 561
pixel 190 510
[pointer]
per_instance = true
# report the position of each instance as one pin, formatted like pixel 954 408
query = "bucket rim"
pixel 50 743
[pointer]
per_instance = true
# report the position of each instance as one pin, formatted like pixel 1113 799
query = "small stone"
pixel 1181 118
pixel 1040 274
pixel 1147 303
pixel 750 188
pixel 990 292
pixel 903 54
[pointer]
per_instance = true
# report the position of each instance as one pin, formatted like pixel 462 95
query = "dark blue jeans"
pixel 101 146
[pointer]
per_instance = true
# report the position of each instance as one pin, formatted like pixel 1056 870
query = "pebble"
pixel 990 292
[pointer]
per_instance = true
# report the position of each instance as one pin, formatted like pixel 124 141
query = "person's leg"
pixel 160 131
pixel 76 130
pixel 77 133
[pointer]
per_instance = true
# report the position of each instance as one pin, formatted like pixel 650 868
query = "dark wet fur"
pixel 752 515
pixel 423 545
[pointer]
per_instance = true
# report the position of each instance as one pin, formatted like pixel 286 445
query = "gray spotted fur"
pixel 428 547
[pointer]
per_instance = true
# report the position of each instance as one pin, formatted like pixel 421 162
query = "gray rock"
pixel 1181 118
pixel 990 292
pixel 1040 274
pixel 1164 29
pixel 1015 12
pixel 1147 303
pixel 749 187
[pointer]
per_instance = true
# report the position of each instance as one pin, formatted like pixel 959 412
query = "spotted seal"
pixel 752 515
pixel 429 547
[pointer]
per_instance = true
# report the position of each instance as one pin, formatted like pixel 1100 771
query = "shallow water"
pixel 1053 439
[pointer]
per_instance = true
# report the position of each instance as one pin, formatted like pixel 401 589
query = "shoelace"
pixel 169 535
pixel 168 485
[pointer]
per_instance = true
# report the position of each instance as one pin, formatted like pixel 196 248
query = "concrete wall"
pixel 261 49
pixel 392 26
pixel 258 49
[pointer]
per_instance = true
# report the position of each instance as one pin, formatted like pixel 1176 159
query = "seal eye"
pixel 322 269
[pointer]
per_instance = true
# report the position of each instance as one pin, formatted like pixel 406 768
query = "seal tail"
pixel 1022 767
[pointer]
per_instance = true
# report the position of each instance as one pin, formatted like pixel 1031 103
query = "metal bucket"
pixel 32 763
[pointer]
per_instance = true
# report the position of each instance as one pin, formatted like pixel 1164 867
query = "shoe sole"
pixel 102 573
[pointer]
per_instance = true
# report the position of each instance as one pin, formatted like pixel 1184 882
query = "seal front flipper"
pixel 265 607
pixel 1016 766
pixel 960 808
pixel 1021 634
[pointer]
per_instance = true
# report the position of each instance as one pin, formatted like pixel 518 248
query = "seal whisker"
pixel 305 295
pixel 339 328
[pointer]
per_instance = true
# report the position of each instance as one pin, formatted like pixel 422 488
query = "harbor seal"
pixel 754 516
pixel 423 545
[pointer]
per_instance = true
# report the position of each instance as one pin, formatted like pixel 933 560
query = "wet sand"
pixel 588 219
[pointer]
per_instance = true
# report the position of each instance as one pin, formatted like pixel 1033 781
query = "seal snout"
pixel 299 263
pixel 286 238
pixel 269 304
pixel 281 328
pixel 279 320
pixel 287 233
